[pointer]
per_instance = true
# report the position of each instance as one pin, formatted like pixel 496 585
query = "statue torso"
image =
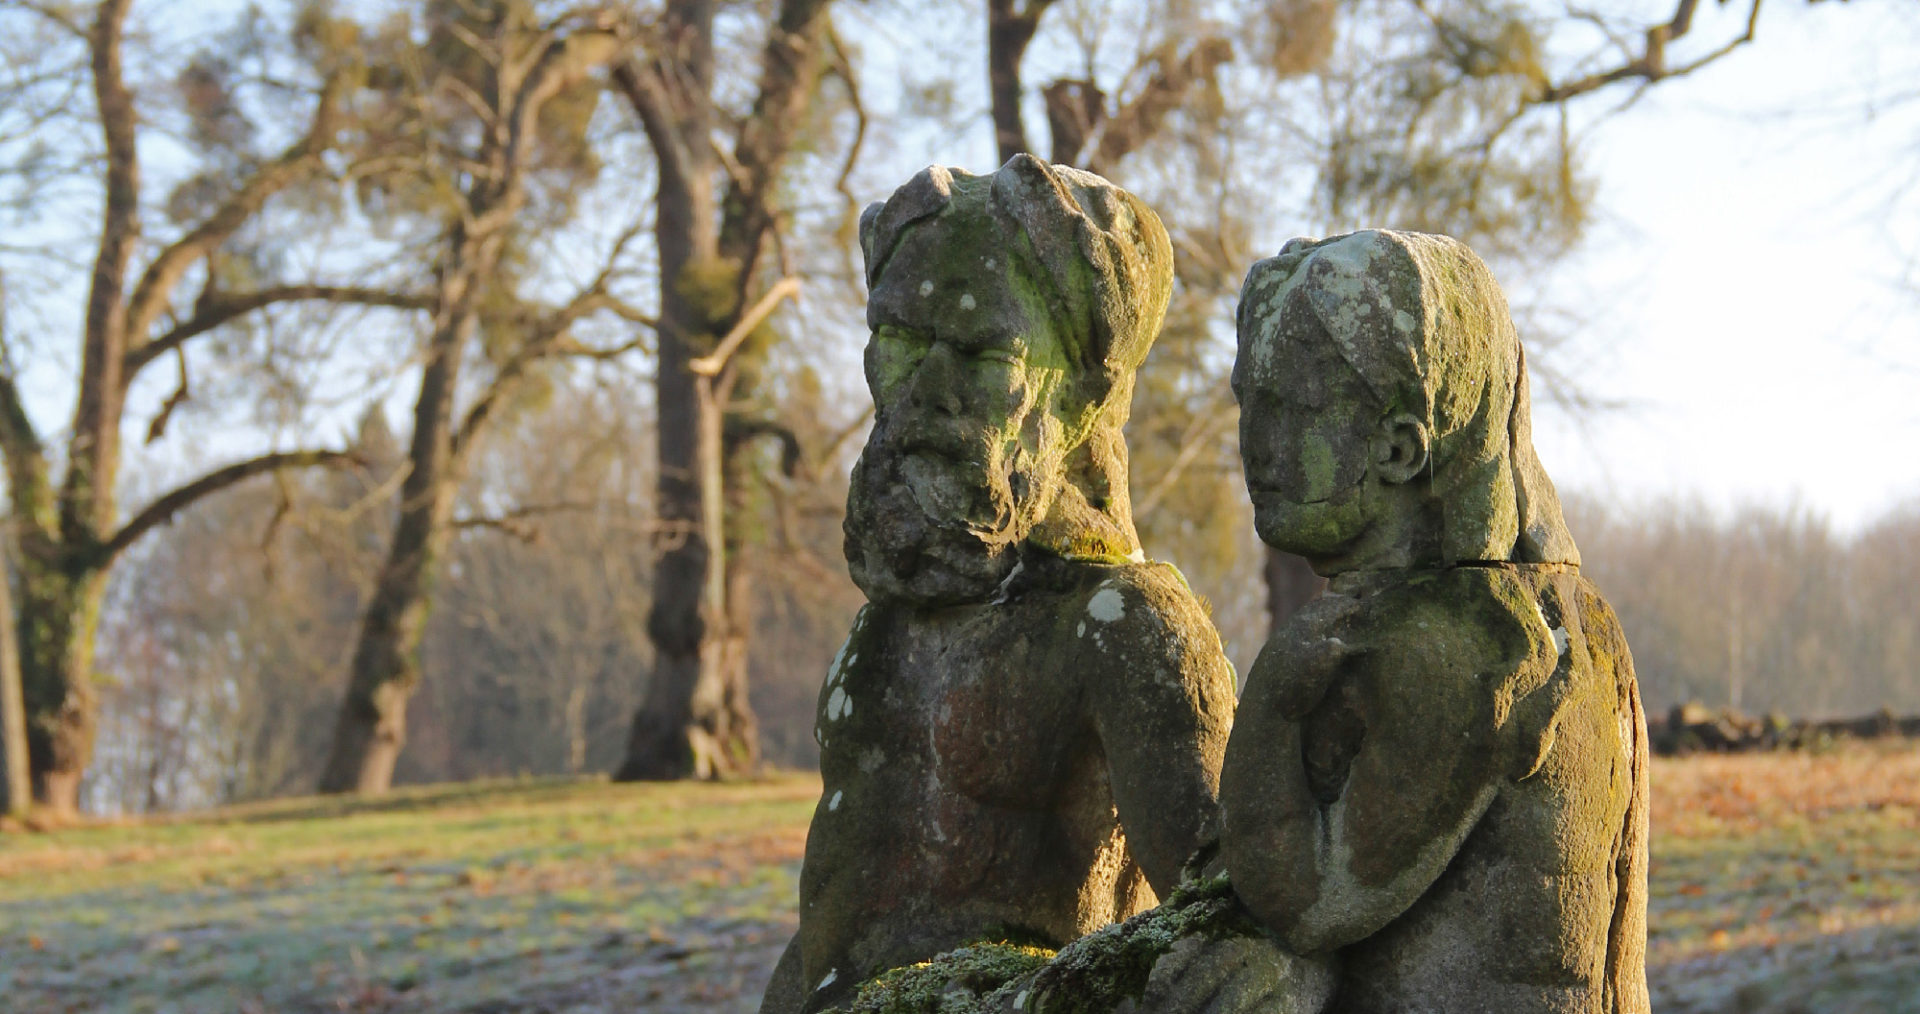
pixel 1546 895
pixel 967 789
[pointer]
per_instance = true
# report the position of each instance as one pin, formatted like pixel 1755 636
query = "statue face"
pixel 966 374
pixel 1307 425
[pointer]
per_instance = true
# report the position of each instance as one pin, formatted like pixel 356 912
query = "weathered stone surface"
pixel 1020 739
pixel 1197 953
pixel 1437 778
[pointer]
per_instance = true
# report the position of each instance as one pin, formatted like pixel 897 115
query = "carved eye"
pixel 895 353
pixel 1008 357
pixel 894 335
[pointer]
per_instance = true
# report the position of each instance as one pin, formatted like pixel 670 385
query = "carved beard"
pixel 928 529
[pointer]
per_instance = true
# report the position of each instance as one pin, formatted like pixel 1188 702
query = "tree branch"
pixel 711 364
pixel 790 67
pixel 1074 110
pixel 181 392
pixel 212 311
pixel 547 339
pixel 563 61
pixel 121 230
pixel 1651 65
pixel 518 522
pixel 740 431
pixel 843 69
pixel 94 443
pixel 1175 75
pixel 155 291
pixel 1010 29
pixel 58 16
pixel 645 93
pixel 162 510
pixel 28 476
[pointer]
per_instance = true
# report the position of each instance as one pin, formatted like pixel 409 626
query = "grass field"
pixel 1780 884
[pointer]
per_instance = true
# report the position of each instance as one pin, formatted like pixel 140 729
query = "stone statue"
pixel 1020 740
pixel 1438 776
pixel 1435 796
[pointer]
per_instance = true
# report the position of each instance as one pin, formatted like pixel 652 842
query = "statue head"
pixel 1008 314
pixel 1383 409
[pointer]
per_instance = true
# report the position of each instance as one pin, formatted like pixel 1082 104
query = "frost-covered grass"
pixel 504 896
pixel 1780 884
pixel 1786 883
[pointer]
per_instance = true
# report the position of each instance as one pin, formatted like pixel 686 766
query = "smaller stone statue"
pixel 1438 772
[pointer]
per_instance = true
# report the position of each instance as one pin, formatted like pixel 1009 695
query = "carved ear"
pixel 1401 447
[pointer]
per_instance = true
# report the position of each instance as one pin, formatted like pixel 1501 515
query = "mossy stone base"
pixel 1199 953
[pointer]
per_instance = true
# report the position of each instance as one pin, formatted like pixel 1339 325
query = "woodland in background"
pixel 436 410
pixel 230 687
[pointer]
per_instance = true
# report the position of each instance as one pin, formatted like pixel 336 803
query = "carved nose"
pixel 936 384
pixel 1256 447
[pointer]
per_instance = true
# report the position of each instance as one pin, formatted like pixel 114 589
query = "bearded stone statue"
pixel 1020 741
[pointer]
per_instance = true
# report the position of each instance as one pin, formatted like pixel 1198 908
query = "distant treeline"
pixel 223 645
pixel 1766 609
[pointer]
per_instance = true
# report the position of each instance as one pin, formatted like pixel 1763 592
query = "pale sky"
pixel 1744 293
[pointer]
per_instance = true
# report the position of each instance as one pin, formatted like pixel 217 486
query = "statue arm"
pixel 1161 690
pixel 1326 873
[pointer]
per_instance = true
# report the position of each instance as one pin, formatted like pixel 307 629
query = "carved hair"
pixel 1426 328
pixel 1100 254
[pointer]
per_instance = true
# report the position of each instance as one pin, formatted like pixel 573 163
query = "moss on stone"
pixel 1093 975
pixel 970 980
pixel 1100 971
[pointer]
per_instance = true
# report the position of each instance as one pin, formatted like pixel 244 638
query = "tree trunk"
pixel 695 720
pixel 1009 31
pixel 1291 583
pixel 16 784
pixel 386 662
pixel 675 733
pixel 58 613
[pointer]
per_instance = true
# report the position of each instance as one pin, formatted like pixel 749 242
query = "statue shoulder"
pixel 1480 623
pixel 1143 608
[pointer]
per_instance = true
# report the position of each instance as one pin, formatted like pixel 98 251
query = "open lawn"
pixel 1781 883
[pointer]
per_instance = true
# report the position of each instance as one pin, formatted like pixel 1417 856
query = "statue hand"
pixel 1299 662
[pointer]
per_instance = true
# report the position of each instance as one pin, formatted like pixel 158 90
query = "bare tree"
pixel 486 92
pixel 717 214
pixel 65 516
pixel 1437 115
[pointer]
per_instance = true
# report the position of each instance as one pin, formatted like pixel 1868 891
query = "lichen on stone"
pixel 968 980
pixel 1095 974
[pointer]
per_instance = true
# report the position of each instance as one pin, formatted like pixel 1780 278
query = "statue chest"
pixel 979 705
